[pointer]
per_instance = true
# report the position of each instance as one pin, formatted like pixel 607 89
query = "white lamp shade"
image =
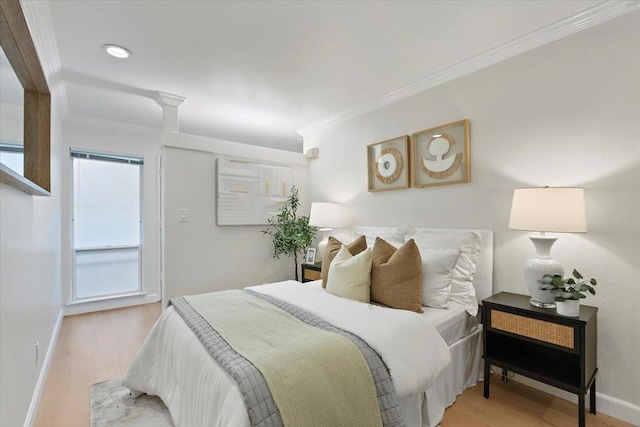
pixel 325 215
pixel 559 210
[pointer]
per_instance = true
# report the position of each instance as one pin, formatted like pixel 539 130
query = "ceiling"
pixel 255 72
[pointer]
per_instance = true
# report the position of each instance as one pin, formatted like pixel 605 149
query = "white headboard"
pixel 483 277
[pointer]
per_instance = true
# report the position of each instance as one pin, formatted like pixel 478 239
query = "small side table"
pixel 540 344
pixel 311 272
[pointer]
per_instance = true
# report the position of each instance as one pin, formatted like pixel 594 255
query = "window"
pixel 12 155
pixel 107 222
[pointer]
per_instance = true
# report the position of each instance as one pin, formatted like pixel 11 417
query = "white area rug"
pixel 112 405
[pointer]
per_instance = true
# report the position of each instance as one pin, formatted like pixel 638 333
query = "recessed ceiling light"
pixel 117 51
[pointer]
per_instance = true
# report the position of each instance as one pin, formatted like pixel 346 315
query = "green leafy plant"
pixel 574 287
pixel 291 234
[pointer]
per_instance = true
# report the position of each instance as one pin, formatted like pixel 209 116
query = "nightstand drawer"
pixel 311 275
pixel 540 330
pixel 311 272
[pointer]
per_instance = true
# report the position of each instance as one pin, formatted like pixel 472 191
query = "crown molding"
pixel 110 124
pixel 573 24
pixel 38 16
pixel 165 99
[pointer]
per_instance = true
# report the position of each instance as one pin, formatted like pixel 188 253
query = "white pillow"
pixel 469 244
pixel 392 235
pixel 437 271
pixel 350 276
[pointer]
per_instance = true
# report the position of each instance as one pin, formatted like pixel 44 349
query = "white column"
pixel 169 104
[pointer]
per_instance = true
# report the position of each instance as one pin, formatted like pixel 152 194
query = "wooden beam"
pixel 21 52
pixel 37 134
pixel 19 48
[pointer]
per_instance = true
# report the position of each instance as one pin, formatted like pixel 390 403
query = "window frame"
pixel 117 158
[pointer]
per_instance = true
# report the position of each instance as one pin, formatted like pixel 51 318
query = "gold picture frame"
pixel 388 164
pixel 441 155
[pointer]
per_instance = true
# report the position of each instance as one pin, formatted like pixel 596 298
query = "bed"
pixel 174 365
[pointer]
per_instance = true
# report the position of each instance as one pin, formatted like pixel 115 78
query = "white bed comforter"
pixel 174 365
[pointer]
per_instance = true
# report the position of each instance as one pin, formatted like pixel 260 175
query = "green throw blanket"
pixel 316 377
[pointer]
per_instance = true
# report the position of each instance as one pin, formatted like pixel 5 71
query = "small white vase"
pixel 569 308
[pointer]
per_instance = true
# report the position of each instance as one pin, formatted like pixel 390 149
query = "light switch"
pixel 184 215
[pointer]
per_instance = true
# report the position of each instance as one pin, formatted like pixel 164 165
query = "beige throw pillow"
pixel 350 275
pixel 396 275
pixel 333 246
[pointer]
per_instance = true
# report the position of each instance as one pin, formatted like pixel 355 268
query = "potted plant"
pixel 568 292
pixel 291 234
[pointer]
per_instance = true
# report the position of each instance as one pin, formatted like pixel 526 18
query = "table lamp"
pixel 326 216
pixel 558 210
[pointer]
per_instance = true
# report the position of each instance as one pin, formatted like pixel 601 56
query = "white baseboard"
pixel 612 406
pixel 109 304
pixel 42 378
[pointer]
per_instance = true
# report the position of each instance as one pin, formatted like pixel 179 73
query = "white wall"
pixel 190 182
pixel 189 164
pixel 30 295
pixel 566 114
pixel 12 119
pixel 199 255
pixel 104 137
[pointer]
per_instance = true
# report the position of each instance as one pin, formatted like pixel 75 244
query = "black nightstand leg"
pixel 581 418
pixel 592 397
pixel 487 377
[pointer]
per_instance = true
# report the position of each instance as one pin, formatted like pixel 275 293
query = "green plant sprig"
pixel 567 289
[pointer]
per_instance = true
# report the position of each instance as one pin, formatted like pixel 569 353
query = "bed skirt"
pixel 427 409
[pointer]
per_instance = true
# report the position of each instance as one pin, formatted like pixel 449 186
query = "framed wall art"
pixel 388 164
pixel 441 155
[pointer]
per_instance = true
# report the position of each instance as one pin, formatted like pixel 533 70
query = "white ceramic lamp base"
pixel 537 267
pixel 322 246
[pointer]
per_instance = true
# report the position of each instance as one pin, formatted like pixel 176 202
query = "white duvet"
pixel 174 365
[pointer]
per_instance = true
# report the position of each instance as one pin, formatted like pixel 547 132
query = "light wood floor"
pixel 91 348
pixel 512 404
pixel 99 346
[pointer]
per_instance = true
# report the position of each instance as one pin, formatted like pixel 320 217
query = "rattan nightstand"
pixel 311 272
pixel 540 344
